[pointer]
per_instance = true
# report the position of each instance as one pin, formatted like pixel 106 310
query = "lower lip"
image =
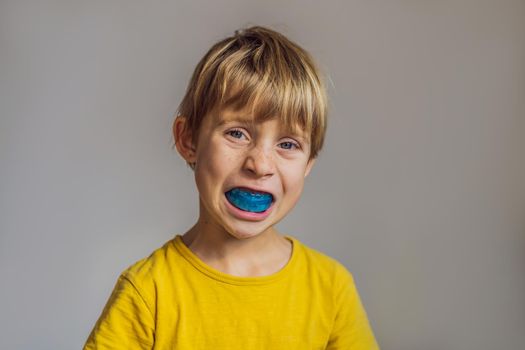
pixel 248 215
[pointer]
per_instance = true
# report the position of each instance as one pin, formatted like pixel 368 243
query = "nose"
pixel 259 162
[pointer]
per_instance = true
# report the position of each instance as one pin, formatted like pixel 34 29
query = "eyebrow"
pixel 238 119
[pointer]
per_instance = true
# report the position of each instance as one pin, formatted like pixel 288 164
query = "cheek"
pixel 293 180
pixel 215 163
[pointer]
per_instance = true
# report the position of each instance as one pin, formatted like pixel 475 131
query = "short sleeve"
pixel 126 321
pixel 351 329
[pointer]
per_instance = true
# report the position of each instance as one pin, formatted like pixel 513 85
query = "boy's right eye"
pixel 235 133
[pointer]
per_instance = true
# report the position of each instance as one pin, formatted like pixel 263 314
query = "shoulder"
pixel 146 273
pixel 325 266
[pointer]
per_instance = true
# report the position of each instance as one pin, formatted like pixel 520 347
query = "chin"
pixel 240 232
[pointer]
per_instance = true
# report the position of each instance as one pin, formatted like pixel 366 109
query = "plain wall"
pixel 419 190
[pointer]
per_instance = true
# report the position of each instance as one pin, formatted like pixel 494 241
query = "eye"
pixel 236 133
pixel 289 145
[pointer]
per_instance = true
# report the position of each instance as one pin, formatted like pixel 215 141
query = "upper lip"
pixel 255 189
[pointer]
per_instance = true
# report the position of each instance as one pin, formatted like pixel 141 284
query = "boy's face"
pixel 231 153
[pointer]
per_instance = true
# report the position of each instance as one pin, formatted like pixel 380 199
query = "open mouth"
pixel 249 200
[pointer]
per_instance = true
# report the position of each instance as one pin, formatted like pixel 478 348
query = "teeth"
pixel 253 191
pixel 248 200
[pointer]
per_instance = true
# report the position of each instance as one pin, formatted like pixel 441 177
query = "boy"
pixel 250 126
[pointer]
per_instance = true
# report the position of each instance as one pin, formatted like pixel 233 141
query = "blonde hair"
pixel 260 68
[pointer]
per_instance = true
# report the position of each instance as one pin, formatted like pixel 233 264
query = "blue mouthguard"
pixel 249 201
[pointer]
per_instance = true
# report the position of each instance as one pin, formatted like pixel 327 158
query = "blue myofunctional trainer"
pixel 249 201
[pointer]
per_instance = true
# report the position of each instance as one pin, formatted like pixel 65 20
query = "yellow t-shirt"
pixel 173 300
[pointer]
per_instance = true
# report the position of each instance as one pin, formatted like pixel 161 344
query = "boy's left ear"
pixel 309 166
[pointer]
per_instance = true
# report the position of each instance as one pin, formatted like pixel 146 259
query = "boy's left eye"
pixel 289 145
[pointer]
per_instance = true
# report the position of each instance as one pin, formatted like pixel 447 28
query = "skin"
pixel 230 152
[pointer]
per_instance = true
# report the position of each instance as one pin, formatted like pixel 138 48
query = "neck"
pixel 218 243
pixel 258 255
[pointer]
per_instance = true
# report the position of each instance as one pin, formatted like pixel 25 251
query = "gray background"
pixel 419 191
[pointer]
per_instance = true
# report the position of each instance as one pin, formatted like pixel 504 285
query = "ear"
pixel 309 166
pixel 183 139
